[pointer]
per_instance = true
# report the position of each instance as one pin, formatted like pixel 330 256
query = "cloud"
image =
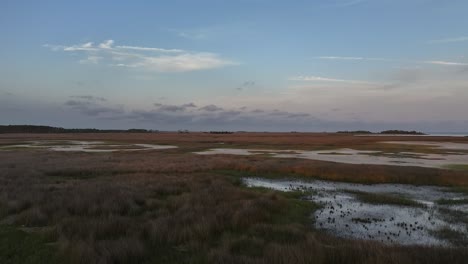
pixel 449 40
pixel 245 85
pixel 258 111
pixel 76 103
pixel 145 58
pixel 194 34
pixel 150 49
pixel 277 112
pixel 210 116
pixel 91 60
pixel 211 108
pixel 89 98
pixel 80 47
pixel 106 44
pixel 325 79
pixel 298 115
pixel 171 108
pixel 189 105
pixel 182 62
pixel 353 58
pixel 91 106
pixel 446 63
pixel 433 62
pixel 174 108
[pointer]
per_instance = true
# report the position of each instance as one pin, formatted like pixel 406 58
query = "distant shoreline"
pixel 38 129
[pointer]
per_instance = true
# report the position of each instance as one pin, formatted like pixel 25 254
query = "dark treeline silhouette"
pixel 49 129
pixel 403 132
pixel 355 132
pixel 393 132
pixel 220 132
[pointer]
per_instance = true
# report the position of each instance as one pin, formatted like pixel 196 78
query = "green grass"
pixel 458 167
pixel 266 175
pixel 455 237
pixel 455 216
pixel 19 247
pixel 380 198
pixel 461 190
pixel 296 211
pixel 452 201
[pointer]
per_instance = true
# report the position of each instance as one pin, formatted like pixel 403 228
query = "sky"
pixel 250 65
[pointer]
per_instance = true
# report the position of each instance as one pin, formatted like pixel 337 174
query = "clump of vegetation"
pixel 460 167
pixel 393 132
pixel 382 198
pixel 402 132
pixel 354 132
pixel 17 246
pixel 455 237
pixel 221 132
pixel 453 201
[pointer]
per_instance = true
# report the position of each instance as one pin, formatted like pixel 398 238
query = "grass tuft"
pixel 381 198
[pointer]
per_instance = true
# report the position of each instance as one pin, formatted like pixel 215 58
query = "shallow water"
pixel 86 146
pixel 438 145
pixel 352 156
pixel 342 214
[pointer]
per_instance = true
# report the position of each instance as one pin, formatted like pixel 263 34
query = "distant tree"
pixel 402 132
pixel 49 130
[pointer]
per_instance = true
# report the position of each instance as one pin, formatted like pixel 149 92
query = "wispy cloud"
pixel 146 58
pixel 446 63
pixel 246 85
pixel 92 106
pixel 211 108
pixel 352 58
pixel 448 40
pixel 192 34
pixel 174 108
pixel 433 62
pixel 150 49
pixel 89 98
pixel 326 79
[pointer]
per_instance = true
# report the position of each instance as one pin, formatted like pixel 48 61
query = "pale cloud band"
pixel 449 40
pixel 446 63
pixel 145 58
pixel 352 58
pixel 433 62
pixel 325 79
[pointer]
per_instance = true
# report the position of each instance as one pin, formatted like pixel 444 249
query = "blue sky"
pixel 236 65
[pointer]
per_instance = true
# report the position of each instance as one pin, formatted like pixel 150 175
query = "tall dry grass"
pixel 172 207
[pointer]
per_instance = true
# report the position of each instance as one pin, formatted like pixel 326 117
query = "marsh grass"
pixel 454 216
pixel 452 201
pixel 17 246
pixel 459 167
pixel 455 237
pixel 181 208
pixel 383 198
pixel 82 173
